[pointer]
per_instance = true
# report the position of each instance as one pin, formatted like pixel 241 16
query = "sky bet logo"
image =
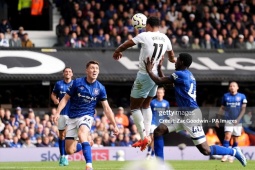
pixel 97 155
pixel 49 156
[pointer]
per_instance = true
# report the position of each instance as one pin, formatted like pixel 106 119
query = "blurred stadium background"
pixel 36 46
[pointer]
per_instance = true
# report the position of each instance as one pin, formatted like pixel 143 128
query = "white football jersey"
pixel 154 45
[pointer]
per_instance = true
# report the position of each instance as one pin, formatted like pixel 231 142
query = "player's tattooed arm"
pixel 156 79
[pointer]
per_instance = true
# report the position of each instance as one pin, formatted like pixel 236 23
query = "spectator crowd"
pixel 25 129
pixel 190 24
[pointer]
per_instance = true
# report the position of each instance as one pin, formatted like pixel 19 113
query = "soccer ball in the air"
pixel 139 21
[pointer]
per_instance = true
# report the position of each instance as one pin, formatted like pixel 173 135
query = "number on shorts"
pixel 86 119
pixel 196 129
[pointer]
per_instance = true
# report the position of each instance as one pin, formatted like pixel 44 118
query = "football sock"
pixel 138 120
pixel 225 143
pixel 159 147
pixel 61 145
pixel 235 144
pixel 147 117
pixel 78 147
pixel 149 150
pixel 152 153
pixel 220 150
pixel 86 149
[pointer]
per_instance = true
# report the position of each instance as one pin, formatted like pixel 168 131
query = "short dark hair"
pixel 186 59
pixel 91 62
pixel 153 21
pixel 67 68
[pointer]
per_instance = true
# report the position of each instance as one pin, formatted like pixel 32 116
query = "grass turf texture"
pixel 115 165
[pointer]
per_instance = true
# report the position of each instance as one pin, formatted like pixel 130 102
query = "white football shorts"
pixel 62 122
pixel 191 123
pixel 143 86
pixel 236 130
pixel 74 124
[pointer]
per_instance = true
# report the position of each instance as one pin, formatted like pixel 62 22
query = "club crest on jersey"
pixel 163 104
pixel 95 91
pixel 238 99
pixel 81 87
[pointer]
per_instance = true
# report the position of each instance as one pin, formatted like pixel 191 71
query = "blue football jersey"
pixel 157 106
pixel 185 89
pixel 84 97
pixel 60 89
pixel 233 105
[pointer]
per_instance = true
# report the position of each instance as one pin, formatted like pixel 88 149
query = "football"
pixel 139 21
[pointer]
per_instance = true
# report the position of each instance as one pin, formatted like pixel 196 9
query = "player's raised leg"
pixel 72 146
pixel 220 150
pixel 135 105
pixel 147 115
pixel 158 134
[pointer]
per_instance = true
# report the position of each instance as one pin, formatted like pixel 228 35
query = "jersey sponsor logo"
pixel 233 104
pixel 87 99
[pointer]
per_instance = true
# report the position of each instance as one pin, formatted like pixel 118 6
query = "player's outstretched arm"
pixel 118 52
pixel 156 79
pixel 109 114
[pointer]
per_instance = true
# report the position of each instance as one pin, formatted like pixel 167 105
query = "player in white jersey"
pixel 154 45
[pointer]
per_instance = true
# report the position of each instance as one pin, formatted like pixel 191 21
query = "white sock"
pixel 147 117
pixel 89 164
pixel 138 120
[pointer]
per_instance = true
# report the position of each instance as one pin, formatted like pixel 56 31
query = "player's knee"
pixel 160 130
pixel 70 150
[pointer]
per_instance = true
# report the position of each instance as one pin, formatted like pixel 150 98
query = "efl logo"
pixel 97 155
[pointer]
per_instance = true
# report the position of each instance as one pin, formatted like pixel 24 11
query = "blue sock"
pixel 235 144
pixel 78 147
pixel 61 145
pixel 220 150
pixel 86 149
pixel 149 148
pixel 152 153
pixel 225 143
pixel 159 147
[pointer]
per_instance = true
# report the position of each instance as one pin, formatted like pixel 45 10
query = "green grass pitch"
pixel 115 165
